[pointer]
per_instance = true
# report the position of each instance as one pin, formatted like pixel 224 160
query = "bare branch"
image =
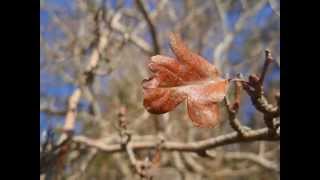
pixel 139 42
pixel 225 44
pixel 267 62
pixel 198 146
pixel 51 111
pixel 152 28
pixel 233 109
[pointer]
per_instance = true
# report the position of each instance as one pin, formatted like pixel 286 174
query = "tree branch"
pixel 136 40
pixel 152 29
pixel 197 147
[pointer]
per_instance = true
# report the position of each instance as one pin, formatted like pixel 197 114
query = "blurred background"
pixel 94 55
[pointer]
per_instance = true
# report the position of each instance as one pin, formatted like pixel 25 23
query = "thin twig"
pixel 233 109
pixel 152 29
pixel 267 62
pixel 136 40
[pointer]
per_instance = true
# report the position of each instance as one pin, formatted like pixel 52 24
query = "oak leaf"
pixel 187 77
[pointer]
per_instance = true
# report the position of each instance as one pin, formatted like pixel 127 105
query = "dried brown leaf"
pixel 188 76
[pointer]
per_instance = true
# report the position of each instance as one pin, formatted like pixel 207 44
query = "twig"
pixel 254 88
pixel 225 44
pixel 85 79
pixel 72 110
pixel 141 167
pixel 51 111
pixel 152 29
pixel 190 161
pixel 75 97
pixel 233 109
pixel 234 122
pixel 131 155
pixel 136 40
pixel 255 91
pixel 267 62
pixel 153 15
